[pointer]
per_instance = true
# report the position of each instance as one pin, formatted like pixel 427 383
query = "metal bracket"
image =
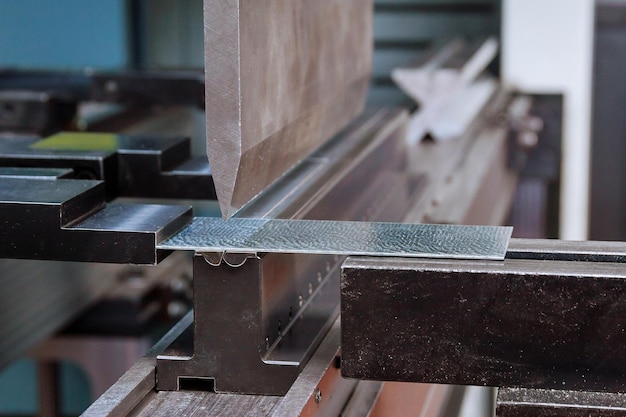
pixel 535 136
pixel 252 318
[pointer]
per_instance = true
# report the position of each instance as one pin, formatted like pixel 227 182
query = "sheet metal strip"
pixel 208 234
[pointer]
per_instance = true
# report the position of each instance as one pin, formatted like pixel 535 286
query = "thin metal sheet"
pixel 206 234
pixel 282 77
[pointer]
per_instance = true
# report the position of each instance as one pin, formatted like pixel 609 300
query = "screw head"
pixel 318 396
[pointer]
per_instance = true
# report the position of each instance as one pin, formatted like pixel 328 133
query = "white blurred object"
pixel 449 98
pixel 547 47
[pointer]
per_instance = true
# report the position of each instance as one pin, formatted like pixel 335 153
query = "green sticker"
pixel 79 141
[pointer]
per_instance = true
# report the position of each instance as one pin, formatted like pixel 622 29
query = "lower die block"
pixel 513 323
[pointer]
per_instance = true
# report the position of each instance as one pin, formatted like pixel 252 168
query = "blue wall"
pixel 19 389
pixel 63 33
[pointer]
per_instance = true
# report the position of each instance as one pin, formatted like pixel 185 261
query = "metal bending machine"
pixel 324 290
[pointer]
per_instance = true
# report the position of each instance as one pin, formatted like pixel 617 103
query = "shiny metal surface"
pixel 282 77
pixel 341 238
pixel 564 250
pixel 523 402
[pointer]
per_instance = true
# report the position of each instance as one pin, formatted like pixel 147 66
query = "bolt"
pixel 176 309
pixel 533 123
pixel 318 396
pixel 111 87
pixel 527 139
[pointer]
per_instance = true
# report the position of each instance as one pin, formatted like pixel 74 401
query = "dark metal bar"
pixel 131 166
pixel 517 323
pixel 68 220
pixel 141 88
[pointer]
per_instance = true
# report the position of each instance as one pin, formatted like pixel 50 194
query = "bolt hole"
pixel 196 384
pixel 337 362
pixel 318 396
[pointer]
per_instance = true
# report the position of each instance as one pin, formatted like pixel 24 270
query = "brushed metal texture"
pixel 341 238
pixel 282 77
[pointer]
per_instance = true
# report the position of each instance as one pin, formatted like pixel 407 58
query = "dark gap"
pixel 403 44
pixel 435 8
pixel 383 82
pixel 196 384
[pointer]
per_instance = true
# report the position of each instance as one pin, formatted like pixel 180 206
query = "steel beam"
pixel 517 323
